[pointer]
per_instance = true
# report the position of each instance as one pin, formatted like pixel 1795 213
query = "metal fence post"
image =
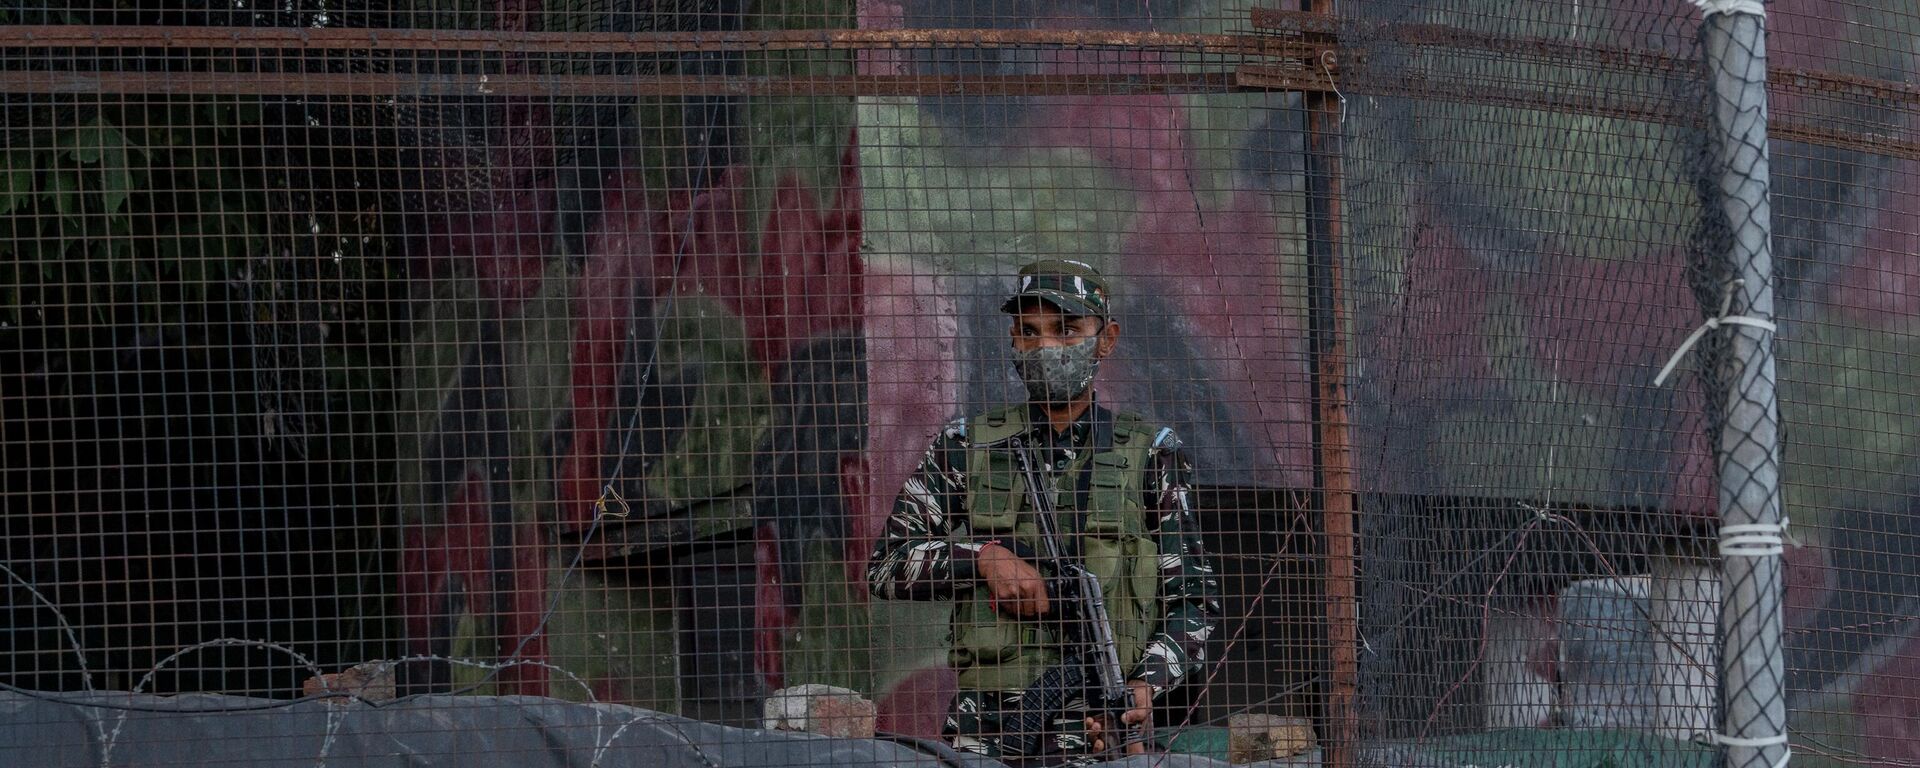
pixel 1333 447
pixel 1741 377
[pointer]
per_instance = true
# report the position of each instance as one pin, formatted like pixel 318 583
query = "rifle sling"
pixel 1100 442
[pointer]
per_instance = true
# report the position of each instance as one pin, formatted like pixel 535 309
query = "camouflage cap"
pixel 1073 286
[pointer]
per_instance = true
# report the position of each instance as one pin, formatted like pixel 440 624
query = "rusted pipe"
pixel 1311 80
pixel 535 44
pixel 1315 29
pixel 1332 433
pixel 570 86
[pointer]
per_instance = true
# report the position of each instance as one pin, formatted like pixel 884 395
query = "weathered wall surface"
pixel 739 320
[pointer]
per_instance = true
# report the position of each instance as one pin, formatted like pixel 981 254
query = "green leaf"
pixel 116 180
pixel 50 252
pixel 82 145
pixel 90 142
pixel 16 180
pixel 63 190
pixel 115 250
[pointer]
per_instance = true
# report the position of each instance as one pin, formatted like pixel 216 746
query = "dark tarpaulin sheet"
pixel 521 731
pixel 59 730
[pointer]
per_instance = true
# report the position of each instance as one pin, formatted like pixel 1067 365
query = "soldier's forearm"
pixel 1154 674
pixel 1190 596
pixel 1179 648
pixel 921 569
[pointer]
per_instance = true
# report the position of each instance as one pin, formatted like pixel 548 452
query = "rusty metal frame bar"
pixel 569 85
pixel 1285 34
pixel 1246 78
pixel 1313 30
pixel 1332 434
pixel 1643 110
pixel 1299 49
pixel 575 43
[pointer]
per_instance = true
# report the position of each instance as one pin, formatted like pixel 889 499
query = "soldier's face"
pixel 1040 324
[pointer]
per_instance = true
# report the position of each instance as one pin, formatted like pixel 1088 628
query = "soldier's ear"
pixel 1109 339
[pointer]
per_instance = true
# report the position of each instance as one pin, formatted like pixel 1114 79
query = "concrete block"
pixel 823 709
pixel 1253 737
pixel 1607 642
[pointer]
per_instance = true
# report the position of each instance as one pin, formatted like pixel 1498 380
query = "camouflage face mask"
pixel 1057 374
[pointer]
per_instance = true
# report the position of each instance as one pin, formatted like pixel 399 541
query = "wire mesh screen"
pixel 1519 275
pixel 937 381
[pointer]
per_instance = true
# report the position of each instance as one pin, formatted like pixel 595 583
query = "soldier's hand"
pixel 1016 587
pixel 1141 717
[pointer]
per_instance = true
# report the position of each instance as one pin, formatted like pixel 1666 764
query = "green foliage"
pixel 129 213
pixel 196 223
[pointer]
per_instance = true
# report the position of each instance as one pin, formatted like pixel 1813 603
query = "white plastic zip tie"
pixel 1757 741
pixel 1752 539
pixel 1749 741
pixel 1711 7
pixel 1726 317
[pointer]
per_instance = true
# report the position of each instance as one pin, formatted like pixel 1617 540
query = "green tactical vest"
pixel 998 653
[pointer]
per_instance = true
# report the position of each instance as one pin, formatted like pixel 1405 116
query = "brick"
pixel 373 681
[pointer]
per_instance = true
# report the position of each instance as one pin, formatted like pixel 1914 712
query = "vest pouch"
pixel 1104 525
pixel 1114 501
pixel 995 498
pixel 982 635
pixel 1146 596
pixel 1119 562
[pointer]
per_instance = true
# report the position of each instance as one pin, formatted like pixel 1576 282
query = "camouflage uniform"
pixel 927 554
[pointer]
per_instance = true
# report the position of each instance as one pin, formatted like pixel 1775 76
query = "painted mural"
pixel 1521 275
pixel 1518 278
pixel 663 364
pixel 758 359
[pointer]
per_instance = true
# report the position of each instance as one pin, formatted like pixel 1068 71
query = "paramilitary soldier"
pixel 964 529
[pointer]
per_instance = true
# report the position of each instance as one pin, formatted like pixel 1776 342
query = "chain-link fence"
pixel 591 382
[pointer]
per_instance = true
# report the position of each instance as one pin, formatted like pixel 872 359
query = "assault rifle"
pixel 1089 660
